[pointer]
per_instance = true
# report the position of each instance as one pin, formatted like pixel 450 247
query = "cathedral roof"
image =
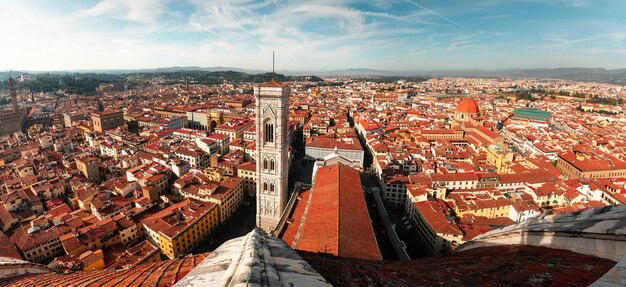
pixel 507 265
pixel 333 217
pixel 585 245
pixel 255 259
pixel 467 106
pixel 163 273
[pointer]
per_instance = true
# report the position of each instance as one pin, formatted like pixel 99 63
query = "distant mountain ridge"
pixel 615 76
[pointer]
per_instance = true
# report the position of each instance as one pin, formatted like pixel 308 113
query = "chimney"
pixel 13 95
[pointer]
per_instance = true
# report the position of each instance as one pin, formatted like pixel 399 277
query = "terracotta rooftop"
pixel 249 166
pixel 467 106
pixel 512 265
pixel 268 261
pixel 594 162
pixel 332 217
pixel 272 84
pixel 107 112
pixel 255 259
pixel 176 218
pixel 7 248
pixel 123 257
pixel 435 215
pixel 163 273
pixel 329 143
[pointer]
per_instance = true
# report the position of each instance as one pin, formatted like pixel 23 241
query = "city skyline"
pixel 326 35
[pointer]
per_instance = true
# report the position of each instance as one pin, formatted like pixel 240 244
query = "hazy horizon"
pixel 300 71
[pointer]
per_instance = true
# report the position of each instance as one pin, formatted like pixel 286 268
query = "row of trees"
pixel 605 101
pixel 73 83
pixel 580 109
pixel 211 78
pixel 541 94
pixel 392 79
pixel 4 101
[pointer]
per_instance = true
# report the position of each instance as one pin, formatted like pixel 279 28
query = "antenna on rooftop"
pixel 273 64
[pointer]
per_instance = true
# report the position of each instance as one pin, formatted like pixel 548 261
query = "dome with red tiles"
pixel 467 106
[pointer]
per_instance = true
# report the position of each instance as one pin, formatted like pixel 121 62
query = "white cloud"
pixel 307 35
pixel 493 17
pixel 433 12
pixel 142 11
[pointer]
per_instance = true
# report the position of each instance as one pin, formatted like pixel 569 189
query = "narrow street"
pixel 243 220
pixel 369 182
pixel 238 224
pixel 299 172
pixel 384 244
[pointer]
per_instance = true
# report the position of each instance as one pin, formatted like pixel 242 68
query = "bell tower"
pixel 16 108
pixel 272 146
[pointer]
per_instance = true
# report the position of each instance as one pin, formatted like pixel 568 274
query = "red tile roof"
pixel 454 177
pixel 249 166
pixel 329 143
pixel 510 265
pixel 107 112
pixel 296 218
pixel 467 106
pixel 594 162
pixel 334 216
pixel 7 248
pixel 272 84
pixel 473 225
pixel 164 273
pixel 434 214
pixel 176 218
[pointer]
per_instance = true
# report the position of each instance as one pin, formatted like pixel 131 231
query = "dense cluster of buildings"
pixel 134 181
pixel 463 161
pixel 157 169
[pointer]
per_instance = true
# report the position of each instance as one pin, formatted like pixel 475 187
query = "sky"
pixel 397 35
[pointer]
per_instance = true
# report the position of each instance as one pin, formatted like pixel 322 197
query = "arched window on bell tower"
pixel 272 165
pixel 268 132
pixel 264 163
pixel 271 187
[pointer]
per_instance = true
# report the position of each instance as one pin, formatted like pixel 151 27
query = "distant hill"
pixel 86 82
pixel 134 71
pixel 578 74
pixel 194 68
pixel 358 72
pixel 617 76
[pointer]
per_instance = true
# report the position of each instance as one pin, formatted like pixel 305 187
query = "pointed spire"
pixel 273 82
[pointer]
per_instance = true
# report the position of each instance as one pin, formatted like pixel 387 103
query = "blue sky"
pixel 312 35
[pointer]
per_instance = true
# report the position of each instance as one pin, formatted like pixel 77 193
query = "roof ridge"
pixel 338 207
pixel 296 237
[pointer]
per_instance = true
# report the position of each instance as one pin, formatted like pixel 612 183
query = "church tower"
pixel 16 108
pixel 272 146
